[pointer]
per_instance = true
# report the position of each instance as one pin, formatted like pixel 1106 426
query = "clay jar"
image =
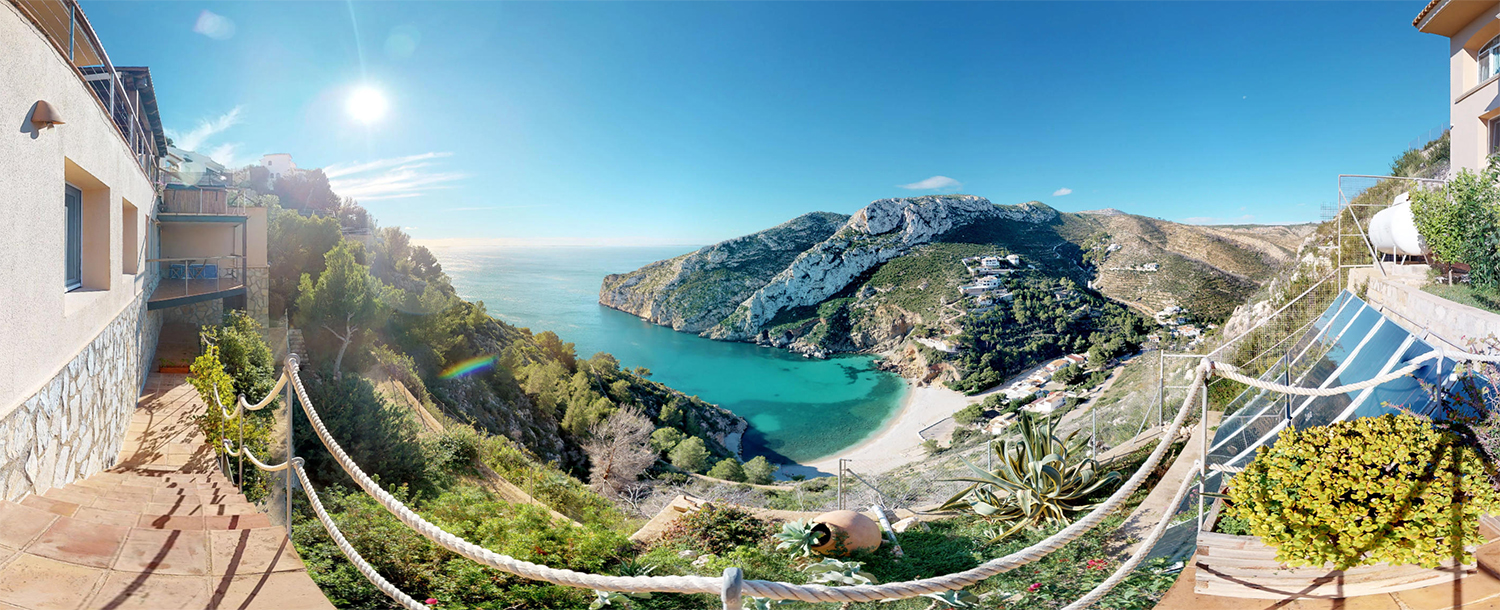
pixel 844 531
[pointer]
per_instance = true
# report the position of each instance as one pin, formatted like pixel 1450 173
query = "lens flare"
pixel 468 367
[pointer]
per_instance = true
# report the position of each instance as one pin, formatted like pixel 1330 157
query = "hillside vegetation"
pixel 894 271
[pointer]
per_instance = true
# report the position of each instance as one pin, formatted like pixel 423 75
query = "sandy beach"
pixel 897 442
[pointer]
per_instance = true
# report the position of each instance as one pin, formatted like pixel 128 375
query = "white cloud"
pixel 340 169
pixel 227 155
pixel 496 207
pixel 206 129
pixel 394 178
pixel 213 25
pixel 1062 191
pixel 935 183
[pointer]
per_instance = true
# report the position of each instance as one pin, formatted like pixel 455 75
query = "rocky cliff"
pixel 883 230
pixel 826 283
pixel 694 292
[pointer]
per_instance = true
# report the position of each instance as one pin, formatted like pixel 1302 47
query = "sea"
pixel 799 409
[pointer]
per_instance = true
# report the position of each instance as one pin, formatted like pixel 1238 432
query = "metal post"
pixel 72 25
pixel 1286 414
pixel 730 594
pixel 1161 388
pixel 841 484
pixel 240 415
pixel 291 402
pixel 989 455
pixel 1203 462
pixel 1094 440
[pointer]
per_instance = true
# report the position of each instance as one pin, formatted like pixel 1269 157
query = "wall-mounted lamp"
pixel 44 116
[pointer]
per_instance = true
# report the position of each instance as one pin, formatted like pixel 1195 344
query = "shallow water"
pixel 798 409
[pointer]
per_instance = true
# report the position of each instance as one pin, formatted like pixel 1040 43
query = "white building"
pixel 1014 260
pixel 990 262
pixel 278 163
pixel 988 282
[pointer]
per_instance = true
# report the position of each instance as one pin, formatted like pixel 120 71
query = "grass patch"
pixel 1464 294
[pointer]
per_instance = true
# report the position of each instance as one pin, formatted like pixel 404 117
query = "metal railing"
pixel 1360 197
pixel 193 272
pixel 63 23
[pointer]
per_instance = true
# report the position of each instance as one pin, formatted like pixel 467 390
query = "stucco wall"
pixel 1471 108
pixel 42 327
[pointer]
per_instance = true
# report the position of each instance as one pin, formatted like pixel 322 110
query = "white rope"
pixel 1140 552
pixel 1231 372
pixel 251 456
pixel 359 562
pixel 756 588
pixel 265 402
pixel 1226 469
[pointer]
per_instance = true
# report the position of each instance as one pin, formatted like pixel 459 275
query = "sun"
pixel 366 104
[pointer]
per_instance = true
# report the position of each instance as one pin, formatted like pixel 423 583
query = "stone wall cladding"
pixel 258 295
pixel 1431 316
pixel 74 425
pixel 202 313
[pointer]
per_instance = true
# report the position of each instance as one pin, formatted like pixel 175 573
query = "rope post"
pixel 239 410
pixel 734 580
pixel 1203 444
pixel 291 408
pixel 1094 437
pixel 1161 387
pixel 841 483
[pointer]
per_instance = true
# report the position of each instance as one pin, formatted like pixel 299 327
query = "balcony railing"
pixel 196 276
pixel 63 23
pixel 199 201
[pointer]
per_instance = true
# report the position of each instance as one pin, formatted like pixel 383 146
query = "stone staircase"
pixel 296 344
pixel 161 530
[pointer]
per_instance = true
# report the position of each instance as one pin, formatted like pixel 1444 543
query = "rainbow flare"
pixel 472 365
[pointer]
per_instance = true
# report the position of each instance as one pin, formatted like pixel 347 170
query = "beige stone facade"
pixel 1473 30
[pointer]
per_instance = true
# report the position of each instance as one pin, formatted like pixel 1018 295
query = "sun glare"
pixel 367 104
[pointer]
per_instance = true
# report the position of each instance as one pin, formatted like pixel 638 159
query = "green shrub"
pixel 379 436
pixel 719 529
pixel 423 569
pixel 1391 488
pixel 1459 222
pixel 728 469
pixel 664 439
pixel 690 455
pixel 760 471
pixel 969 415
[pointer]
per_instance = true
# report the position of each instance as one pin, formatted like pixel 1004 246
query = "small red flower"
pixel 432 601
pixel 1097 564
pixel 1034 587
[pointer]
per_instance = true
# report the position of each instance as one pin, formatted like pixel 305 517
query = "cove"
pixel 799 409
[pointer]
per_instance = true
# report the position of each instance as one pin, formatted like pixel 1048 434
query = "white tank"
pixel 1394 230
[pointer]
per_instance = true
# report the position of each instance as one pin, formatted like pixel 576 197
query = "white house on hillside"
pixel 278 163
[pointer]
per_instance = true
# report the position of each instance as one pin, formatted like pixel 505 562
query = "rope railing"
pixel 733 580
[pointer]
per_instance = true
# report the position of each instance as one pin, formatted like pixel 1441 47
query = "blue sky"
pixel 694 122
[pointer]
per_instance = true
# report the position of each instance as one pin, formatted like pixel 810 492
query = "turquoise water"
pixel 798 409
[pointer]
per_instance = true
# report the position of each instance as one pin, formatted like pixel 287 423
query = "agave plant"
pixel 834 572
pixel 1037 480
pixel 955 600
pixel 799 536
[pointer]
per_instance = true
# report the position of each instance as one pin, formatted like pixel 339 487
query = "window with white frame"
pixel 73 241
pixel 1494 125
pixel 1489 59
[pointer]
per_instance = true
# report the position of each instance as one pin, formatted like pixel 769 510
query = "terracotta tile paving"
pixel 161 530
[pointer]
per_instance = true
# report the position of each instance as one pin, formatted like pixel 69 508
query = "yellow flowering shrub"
pixel 1391 488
